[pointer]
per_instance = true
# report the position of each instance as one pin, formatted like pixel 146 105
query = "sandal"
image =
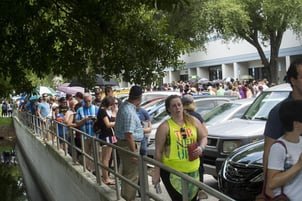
pixel 109 182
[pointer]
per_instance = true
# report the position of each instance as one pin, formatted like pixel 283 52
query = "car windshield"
pixel 220 112
pixel 264 103
pixel 159 117
pixel 155 105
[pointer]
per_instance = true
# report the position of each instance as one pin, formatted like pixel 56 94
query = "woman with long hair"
pixel 106 121
pixel 173 141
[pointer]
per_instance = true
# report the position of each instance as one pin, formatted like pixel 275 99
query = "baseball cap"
pixel 187 99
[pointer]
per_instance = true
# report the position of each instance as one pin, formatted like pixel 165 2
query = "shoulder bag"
pixel 281 197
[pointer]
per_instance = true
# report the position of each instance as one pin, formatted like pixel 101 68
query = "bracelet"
pixel 202 147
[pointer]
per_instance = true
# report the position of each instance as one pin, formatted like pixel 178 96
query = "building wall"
pixel 236 58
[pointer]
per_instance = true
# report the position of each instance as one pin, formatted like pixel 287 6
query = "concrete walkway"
pixel 165 197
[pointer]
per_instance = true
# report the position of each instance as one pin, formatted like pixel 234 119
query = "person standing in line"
pixel 4 109
pixel 129 132
pixel 190 107
pixel 71 123
pixel 59 113
pixel 274 128
pixel 285 161
pixel 98 99
pixel 70 114
pixel 147 126
pixel 85 117
pixel 106 121
pixel 173 147
pixel 43 111
pixel 80 102
pixel 9 109
pixel 69 98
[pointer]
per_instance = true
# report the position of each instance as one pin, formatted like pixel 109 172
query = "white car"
pixel 203 105
pixel 227 111
pixel 225 137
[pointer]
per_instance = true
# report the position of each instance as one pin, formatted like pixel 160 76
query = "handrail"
pixel 42 129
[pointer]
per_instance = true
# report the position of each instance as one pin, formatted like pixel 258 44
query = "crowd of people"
pixel 127 125
pixel 240 88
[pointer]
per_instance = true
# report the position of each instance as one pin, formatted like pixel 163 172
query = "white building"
pixel 223 59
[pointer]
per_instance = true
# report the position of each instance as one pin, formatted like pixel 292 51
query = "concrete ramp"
pixel 59 178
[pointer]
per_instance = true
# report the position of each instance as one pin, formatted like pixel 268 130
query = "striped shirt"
pixel 84 111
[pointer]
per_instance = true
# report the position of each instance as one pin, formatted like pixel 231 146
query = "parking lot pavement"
pixel 208 179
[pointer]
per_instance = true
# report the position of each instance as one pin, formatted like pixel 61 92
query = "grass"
pixel 5 148
pixel 5 121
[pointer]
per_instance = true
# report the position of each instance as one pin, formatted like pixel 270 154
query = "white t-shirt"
pixel 276 161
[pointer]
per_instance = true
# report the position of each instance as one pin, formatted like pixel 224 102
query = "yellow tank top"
pixel 178 157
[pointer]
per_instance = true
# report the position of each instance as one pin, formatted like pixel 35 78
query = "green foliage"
pixel 259 22
pixel 10 188
pixel 133 39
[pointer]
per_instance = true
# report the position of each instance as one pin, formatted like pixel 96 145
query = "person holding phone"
pixel 84 120
pixel 106 122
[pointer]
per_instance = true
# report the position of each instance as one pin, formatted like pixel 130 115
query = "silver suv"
pixel 225 137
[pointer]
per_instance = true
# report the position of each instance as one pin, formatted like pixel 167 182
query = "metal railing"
pixel 47 130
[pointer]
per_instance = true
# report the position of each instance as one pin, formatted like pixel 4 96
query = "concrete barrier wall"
pixel 60 179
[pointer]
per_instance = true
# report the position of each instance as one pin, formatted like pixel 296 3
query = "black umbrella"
pixel 75 83
pixel 99 81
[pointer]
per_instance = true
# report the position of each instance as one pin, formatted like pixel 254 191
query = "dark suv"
pixel 241 176
pixel 224 138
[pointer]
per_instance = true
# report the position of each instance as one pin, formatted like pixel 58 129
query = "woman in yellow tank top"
pixel 173 137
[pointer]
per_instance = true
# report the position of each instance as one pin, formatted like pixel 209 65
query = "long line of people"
pixel 95 117
pixel 124 126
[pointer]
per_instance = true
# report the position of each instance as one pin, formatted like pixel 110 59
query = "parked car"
pixel 158 94
pixel 203 105
pixel 241 176
pixel 227 111
pixel 226 137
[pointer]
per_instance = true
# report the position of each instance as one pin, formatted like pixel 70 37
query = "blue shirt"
pixel 84 111
pixel 127 121
pixel 44 108
pixel 273 127
pixel 143 115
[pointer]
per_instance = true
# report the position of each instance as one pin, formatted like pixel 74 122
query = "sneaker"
pixel 202 195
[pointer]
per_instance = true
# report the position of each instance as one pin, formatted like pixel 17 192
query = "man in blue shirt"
pixel 129 131
pixel 85 117
pixel 274 128
pixel 43 111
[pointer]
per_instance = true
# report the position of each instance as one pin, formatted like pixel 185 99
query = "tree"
pixel 77 39
pixel 259 22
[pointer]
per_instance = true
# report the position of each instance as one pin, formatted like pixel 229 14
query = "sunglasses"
pixel 183 133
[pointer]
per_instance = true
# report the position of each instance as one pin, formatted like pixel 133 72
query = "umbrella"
pixel 246 77
pixel 44 90
pixel 228 79
pixel 203 80
pixel 34 97
pixel 99 81
pixel 70 90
